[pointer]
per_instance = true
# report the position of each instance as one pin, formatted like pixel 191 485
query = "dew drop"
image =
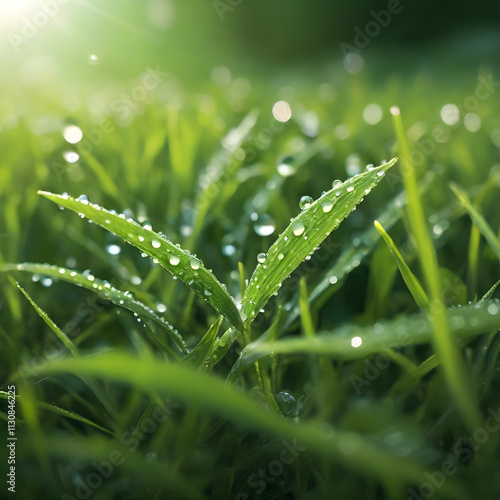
pixel 297 227
pixel 155 244
pixel 356 341
pixel 46 282
pixel 261 258
pixel 285 170
pixel 350 189
pixel 174 260
pixel 327 206
pixel 161 308
pixel 333 280
pixel 195 264
pixel 228 250
pixel 286 402
pixel 336 184
pixel 281 256
pixel 113 249
pixel 264 225
pixel 83 198
pixel 305 202
pixel 147 225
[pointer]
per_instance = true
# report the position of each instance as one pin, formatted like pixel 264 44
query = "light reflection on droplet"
pixel 113 249
pixel 356 341
pixel 282 111
pixel 73 134
pixel 71 156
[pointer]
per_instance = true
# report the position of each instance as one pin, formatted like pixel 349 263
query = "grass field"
pixel 196 301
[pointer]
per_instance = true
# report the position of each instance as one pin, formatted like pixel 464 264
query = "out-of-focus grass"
pixel 386 412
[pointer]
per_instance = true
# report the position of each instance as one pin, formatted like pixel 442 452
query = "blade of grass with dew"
pixel 409 278
pixel 199 355
pixel 211 394
pixel 180 263
pixel 304 234
pixel 104 290
pixel 476 217
pixel 64 413
pixel 354 254
pixel 353 342
pixel 451 361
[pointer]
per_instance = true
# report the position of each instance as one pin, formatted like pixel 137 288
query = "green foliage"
pixel 326 366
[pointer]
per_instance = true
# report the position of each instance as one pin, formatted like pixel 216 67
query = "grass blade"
pixel 198 356
pixel 214 396
pixel 58 332
pixel 304 234
pixel 221 167
pixel 179 262
pixel 410 279
pixel 478 220
pixel 104 290
pixel 354 342
pixel 447 351
pixel 63 413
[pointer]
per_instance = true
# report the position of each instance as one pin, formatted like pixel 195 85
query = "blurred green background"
pixel 188 38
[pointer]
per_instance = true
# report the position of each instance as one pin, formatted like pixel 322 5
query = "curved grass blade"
pixel 352 342
pixel 451 362
pixel 304 234
pixel 179 262
pixel 355 253
pixel 477 218
pixel 58 332
pixel 104 290
pixel 409 278
pixel 211 394
pixel 64 413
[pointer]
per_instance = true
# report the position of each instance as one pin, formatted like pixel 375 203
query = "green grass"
pixel 208 337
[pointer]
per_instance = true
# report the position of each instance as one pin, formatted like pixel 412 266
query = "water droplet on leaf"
pixel 305 202
pixel 297 227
